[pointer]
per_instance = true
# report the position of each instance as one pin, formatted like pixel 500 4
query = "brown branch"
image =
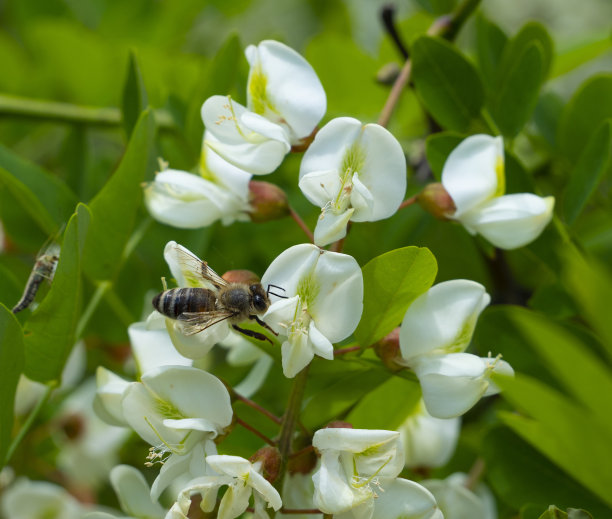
pixel 301 223
pixel 255 432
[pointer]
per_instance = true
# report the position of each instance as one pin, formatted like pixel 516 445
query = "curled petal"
pixel 403 499
pixel 320 344
pixel 133 492
pixel 331 226
pixel 511 221
pixel 332 494
pixel 296 355
pixel 319 187
pixel 284 87
pixel 198 345
pixel 442 320
pixel 472 172
pixel 107 402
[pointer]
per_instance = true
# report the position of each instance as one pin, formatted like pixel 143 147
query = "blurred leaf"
pixel 50 330
pixel 583 114
pixel 114 208
pixel 519 474
pixel 564 431
pixel 437 149
pixel 44 197
pixel 547 115
pixel 11 367
pixel 447 82
pixel 391 282
pixel 10 289
pixel 438 7
pixel 490 43
pixel 517 86
pixel 580 54
pixel 218 78
pixel 552 299
pixel 134 100
pixel 529 33
pixel 387 406
pixel 588 171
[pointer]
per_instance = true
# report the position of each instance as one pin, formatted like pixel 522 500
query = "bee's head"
pixel 259 298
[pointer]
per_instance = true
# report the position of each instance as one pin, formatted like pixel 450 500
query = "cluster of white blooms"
pixel 436 330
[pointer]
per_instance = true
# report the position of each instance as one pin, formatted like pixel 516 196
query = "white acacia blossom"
pixel 322 304
pixel 357 478
pixel 428 441
pixel 354 172
pixel 436 330
pixel 162 409
pixel 242 478
pixel 474 177
pixel 189 201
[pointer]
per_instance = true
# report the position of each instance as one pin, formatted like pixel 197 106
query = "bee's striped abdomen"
pixel 172 303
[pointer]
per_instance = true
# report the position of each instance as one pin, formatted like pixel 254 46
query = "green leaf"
pixel 534 32
pixel 134 99
pixel 490 43
pixel 553 513
pixel 50 331
pixel 590 48
pixel 438 7
pixel 391 282
pixel 517 86
pixel 437 149
pixel 218 78
pixel 588 171
pixel 519 474
pixel 11 367
pixel 387 406
pixel 44 197
pixel 588 108
pixel 114 208
pixel 447 83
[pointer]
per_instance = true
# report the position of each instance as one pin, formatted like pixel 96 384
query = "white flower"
pixel 352 461
pixel 453 383
pixel 176 407
pixel 323 304
pixel 473 176
pixel 442 320
pixel 458 502
pixel 107 402
pixel 245 139
pixel 133 493
pixel 191 201
pixel 353 172
pixel 428 441
pixel 284 88
pixel 27 499
pixel 436 330
pixel 242 479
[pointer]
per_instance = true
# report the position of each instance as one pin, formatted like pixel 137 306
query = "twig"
pixel 301 223
pixel 387 15
pixel 255 432
pixel 475 474
pixel 407 202
pixel 342 351
pixel 257 407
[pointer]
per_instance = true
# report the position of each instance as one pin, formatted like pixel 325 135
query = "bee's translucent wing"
pixel 196 272
pixel 196 322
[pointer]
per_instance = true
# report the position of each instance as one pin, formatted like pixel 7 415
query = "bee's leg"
pixel 251 333
pixel 262 323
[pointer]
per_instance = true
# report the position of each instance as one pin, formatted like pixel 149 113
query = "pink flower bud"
pixel 267 201
pixel 436 200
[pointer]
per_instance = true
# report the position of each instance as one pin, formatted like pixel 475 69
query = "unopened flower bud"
pixel 387 74
pixel 267 201
pixel 388 350
pixel 241 276
pixel 436 200
pixel 339 424
pixel 270 459
pixel 304 459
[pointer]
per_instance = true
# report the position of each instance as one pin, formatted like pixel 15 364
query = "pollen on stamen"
pixel 158 454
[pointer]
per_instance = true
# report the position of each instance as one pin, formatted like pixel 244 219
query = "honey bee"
pixel 44 268
pixel 198 308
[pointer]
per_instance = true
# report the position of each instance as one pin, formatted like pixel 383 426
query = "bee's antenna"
pixel 268 293
pixel 163 280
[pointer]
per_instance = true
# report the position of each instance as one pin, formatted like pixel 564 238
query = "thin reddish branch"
pixel 257 407
pixel 255 432
pixel 301 223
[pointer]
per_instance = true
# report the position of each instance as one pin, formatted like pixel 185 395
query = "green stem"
pixel 290 420
pixel 30 420
pixel 26 108
pixel 91 307
pixel 459 16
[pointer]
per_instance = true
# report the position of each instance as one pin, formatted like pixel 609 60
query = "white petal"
pixel 235 501
pixel 442 320
pixel 133 492
pixel 470 174
pixel 452 383
pixel 429 441
pixel 362 200
pixel 331 226
pixel 281 313
pixel 403 499
pixel 501 367
pixel 511 221
pixel 296 355
pixel 383 173
pixel 320 187
pixel 265 489
pixel 352 440
pixel 293 88
pixel 29 499
pixel 291 266
pixel 456 500
pixel 233 466
pixel 339 303
pixel 153 348
pixel 197 345
pixel 332 494
pixel 179 384
pixel 107 402
pixel 319 343
pixel 184 200
pixel 227 175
